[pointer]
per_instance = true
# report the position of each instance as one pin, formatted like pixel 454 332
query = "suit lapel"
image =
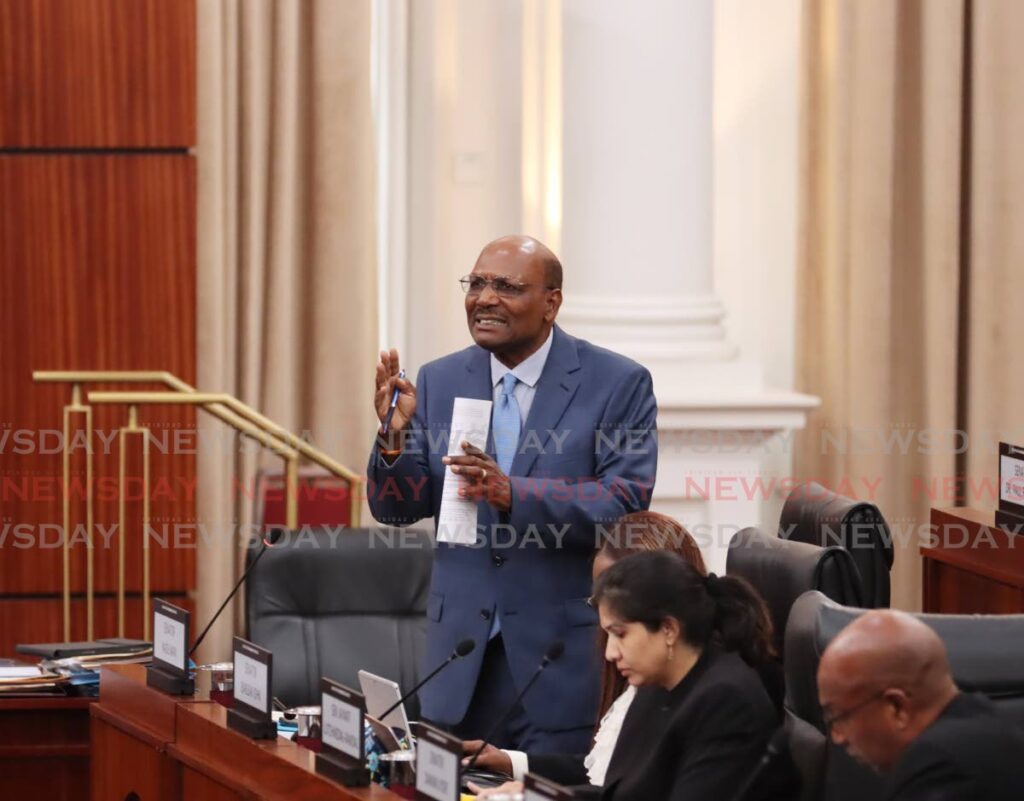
pixel 478 365
pixel 555 390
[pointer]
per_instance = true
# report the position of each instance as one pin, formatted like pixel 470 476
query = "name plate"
pixel 252 675
pixel 252 682
pixel 536 788
pixel 437 765
pixel 169 671
pixel 1011 478
pixel 342 722
pixel 170 637
pixel 342 752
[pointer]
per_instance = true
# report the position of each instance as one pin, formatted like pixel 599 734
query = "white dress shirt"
pixel 527 371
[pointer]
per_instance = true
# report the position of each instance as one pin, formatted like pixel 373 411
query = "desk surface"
pixel 273 768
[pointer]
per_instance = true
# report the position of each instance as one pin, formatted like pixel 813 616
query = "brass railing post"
pixel 225 407
pixel 77 407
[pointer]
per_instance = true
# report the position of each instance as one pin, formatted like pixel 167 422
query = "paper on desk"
pixel 20 672
pixel 471 421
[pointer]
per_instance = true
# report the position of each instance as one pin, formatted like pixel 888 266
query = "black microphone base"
pixel 343 769
pixel 170 683
pixel 256 726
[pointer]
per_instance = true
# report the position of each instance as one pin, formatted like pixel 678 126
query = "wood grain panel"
pixel 97 73
pixel 44 748
pixel 122 765
pixel 97 264
pixel 198 787
pixel 41 619
pixel 974 566
pixel 954 591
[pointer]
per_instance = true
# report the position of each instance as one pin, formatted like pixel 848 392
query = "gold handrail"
pixel 225 407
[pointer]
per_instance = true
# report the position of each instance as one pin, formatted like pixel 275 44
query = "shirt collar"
pixel 528 371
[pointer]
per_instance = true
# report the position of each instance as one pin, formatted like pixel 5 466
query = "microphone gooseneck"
pixel 464 648
pixel 552 654
pixel 272 538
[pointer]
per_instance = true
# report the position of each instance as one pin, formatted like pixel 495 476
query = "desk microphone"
pixel 555 650
pixel 464 648
pixel 771 753
pixel 272 538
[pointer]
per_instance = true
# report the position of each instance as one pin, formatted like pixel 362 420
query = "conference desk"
pixel 44 748
pixel 148 746
pixel 975 567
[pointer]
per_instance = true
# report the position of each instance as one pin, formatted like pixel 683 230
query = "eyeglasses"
pixel 833 720
pixel 503 286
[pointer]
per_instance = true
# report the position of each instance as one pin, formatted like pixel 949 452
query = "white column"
pixel 637 166
pixel 637 242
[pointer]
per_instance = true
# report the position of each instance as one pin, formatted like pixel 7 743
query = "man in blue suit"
pixel 572 447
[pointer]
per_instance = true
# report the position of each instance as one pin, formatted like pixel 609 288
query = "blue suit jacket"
pixel 587 456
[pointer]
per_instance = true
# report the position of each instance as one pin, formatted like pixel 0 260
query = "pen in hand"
pixel 394 403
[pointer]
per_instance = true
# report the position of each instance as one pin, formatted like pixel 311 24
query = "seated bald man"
pixel 889 699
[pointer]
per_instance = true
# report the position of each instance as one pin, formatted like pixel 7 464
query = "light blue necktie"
pixel 506 424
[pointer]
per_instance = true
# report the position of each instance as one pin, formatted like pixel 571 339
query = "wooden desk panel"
pixel 44 748
pixel 975 568
pixel 132 725
pixel 274 770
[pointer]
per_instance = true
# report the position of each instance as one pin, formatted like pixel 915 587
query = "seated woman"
pixel 639 532
pixel 701 718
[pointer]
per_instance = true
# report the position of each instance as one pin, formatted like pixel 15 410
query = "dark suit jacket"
pixel 969 753
pixel 587 456
pixel 698 741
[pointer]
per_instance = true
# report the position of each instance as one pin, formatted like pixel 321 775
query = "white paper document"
pixel 471 421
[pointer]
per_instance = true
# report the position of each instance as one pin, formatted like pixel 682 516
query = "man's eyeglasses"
pixel 503 286
pixel 831 720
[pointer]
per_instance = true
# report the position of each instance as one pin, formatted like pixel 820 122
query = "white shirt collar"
pixel 528 371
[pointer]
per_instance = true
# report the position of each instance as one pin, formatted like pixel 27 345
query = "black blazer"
pixel 697 741
pixel 968 753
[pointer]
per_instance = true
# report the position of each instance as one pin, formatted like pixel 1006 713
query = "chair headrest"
pixel 327 569
pixel 782 570
pixel 816 514
pixel 985 651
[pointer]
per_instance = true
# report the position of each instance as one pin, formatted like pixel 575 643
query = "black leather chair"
pixel 783 570
pixel 329 602
pixel 819 516
pixel 986 653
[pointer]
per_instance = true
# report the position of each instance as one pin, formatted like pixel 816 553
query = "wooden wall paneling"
pixel 97 73
pixel 33 619
pixel 98 264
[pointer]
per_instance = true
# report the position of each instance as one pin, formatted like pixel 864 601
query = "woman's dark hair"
pixel 647 588
pixel 640 532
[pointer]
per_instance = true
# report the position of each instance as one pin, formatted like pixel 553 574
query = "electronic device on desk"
pixel 381 695
pixel 1010 514
pixel 110 647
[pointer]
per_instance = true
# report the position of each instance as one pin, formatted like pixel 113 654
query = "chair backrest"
pixel 331 601
pixel 986 653
pixel 783 570
pixel 819 516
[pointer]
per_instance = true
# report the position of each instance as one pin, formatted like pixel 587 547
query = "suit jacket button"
pixel 498 560
pixel 485 614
